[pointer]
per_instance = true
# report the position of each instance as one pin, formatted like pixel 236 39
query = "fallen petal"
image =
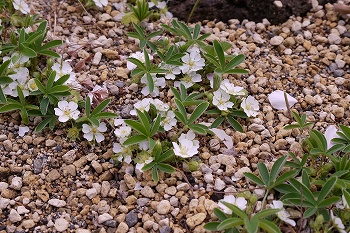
pixel 277 100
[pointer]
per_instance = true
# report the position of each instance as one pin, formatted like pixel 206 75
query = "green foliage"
pixel 138 13
pixel 159 162
pixel 144 40
pixel 96 114
pixel 181 99
pixel 239 219
pixel 299 194
pixel 145 127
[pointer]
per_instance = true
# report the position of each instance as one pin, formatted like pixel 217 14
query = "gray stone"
pixel 110 223
pixel 69 157
pixel 104 217
pixel 57 202
pixel 38 165
pixel 131 219
pixel 14 216
pixel 165 229
pixel 163 207
pixel 61 224
pixel 142 201
pixel 125 112
pixel 147 192
pixel 16 183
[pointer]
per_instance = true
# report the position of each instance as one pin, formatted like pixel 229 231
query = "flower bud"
pixel 210 97
pixel 319 221
pixel 328 167
pixel 193 165
pixel 253 199
pixel 50 62
pixel 73 133
pixel 346 215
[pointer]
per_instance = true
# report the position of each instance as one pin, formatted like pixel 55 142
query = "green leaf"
pixel 235 62
pixel 150 82
pixel 176 93
pixel 155 125
pixel 144 121
pixel 100 107
pixel 211 226
pixel 240 213
pixel 44 104
pixel 291 126
pixel 251 225
pixel 219 214
pixel 10 107
pixel 235 124
pixel 217 122
pixel 277 167
pixel 230 223
pixel 265 213
pixel 165 168
pixel 198 128
pixel 51 44
pixel 106 115
pixel 24 116
pixel 328 202
pixel 148 166
pixel 286 176
pixel 40 86
pixel 28 52
pixel 305 191
pixel 264 173
pixel 165 156
pixel 62 80
pixel 182 110
pixel 220 53
pixel 5 80
pixel 138 127
pixel 254 178
pixel 309 212
pixel 2 97
pixel 134 140
pixel 155 176
pixel 269 226
pixel 200 109
pixel 59 89
pixel 137 62
pixel 237 71
pixel 4 66
pixel 42 124
pixel 327 188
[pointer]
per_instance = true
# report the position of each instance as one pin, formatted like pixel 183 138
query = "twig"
pixel 185 178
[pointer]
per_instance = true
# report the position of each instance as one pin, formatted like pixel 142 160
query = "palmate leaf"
pixel 251 225
pixel 138 127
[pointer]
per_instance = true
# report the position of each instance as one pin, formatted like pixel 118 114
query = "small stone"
pixel 97 58
pixel 16 183
pixel 80 230
pixel 214 144
pixel 110 223
pixel 22 210
pixel 3 185
pixel 50 143
pixel 4 202
pixel 334 38
pixel 110 54
pixel 14 216
pixel 104 217
pixel 122 228
pixel 27 224
pixel 53 175
pixel 142 201
pixel 134 87
pixel 7 145
pixel 3 137
pixel 105 187
pixel 147 192
pixel 241 171
pixel 69 157
pixel 91 156
pixel 57 202
pixel 183 187
pixel 80 162
pixel 131 219
pixel 259 192
pixel 256 127
pixel 105 17
pixel 219 184
pixel 163 207
pixel 69 170
pixel 129 181
pixel 91 193
pixel 97 166
pixel 296 26
pixel 278 4
pixel 43 195
pixel 208 178
pixel 195 220
pixel 38 164
pixel 61 224
pixel 276 40
pixel 339 112
pixel 165 229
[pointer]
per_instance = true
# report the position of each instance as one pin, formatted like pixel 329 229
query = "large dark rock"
pixel 255 10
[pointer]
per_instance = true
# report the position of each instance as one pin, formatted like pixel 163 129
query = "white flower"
pixel 277 100
pixel 160 105
pixel 139 166
pixel 282 214
pixel 226 139
pixel 101 3
pixel 139 56
pixel 20 79
pixel 250 106
pixel 222 100
pixel 32 85
pixel 17 60
pixel 188 80
pixel 62 69
pixel 158 82
pixel 337 223
pixel 21 5
pixel 123 131
pixel 240 202
pixel 22 130
pixel 169 121
pixel 124 152
pixel 160 5
pixel 142 105
pixel 187 146
pixel 231 89
pixel 210 77
pixel 173 71
pixel 67 110
pixel 94 132
pixel 330 133
pixel 342 204
pixel 192 62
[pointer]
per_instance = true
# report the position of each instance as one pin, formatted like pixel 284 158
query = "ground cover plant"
pixel 165 136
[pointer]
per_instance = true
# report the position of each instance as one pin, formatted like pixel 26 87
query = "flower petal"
pixel 277 100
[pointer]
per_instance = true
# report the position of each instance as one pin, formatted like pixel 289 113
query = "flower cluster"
pixel 187 146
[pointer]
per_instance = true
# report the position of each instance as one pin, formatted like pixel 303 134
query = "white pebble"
pixel 16 183
pixel 61 224
pixel 57 202
pixel 22 210
pixel 296 26
pixel 4 202
pixel 276 40
pixel 14 216
pixel 104 217
pixel 91 193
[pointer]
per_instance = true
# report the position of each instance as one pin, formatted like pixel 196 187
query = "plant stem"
pixel 192 11
pixel 287 105
pixel 264 199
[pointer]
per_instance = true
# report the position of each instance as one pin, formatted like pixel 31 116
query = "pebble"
pixel 122 228
pixel 104 217
pixel 334 38
pixel 50 143
pixel 38 164
pixel 69 157
pixel 53 175
pixel 147 192
pixel 16 183
pixel 57 202
pixel 29 223
pixel 276 40
pixel 4 202
pixel 14 216
pixel 219 184
pixel 97 58
pixel 61 224
pixel 131 219
pixel 7 145
pixel 195 220
pixel 22 210
pixel 163 207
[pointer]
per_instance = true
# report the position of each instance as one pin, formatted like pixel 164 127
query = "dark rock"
pixel 110 223
pixel 254 10
pixel 165 229
pixel 38 165
pixel 338 73
pixel 4 172
pixel 125 112
pixel 131 219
